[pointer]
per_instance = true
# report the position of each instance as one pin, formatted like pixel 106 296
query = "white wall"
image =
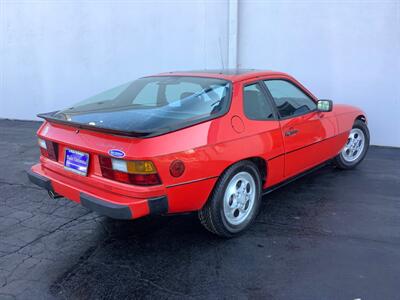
pixel 54 53
pixel 347 51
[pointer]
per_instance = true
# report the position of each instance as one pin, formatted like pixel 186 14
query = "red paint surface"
pixel 206 149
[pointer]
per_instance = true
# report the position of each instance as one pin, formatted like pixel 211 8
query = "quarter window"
pixel 255 104
pixel 289 99
pixel 146 95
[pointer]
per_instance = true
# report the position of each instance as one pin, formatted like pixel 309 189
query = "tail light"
pixel 137 172
pixel 48 149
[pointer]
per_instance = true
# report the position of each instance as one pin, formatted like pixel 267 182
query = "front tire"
pixel 234 202
pixel 356 147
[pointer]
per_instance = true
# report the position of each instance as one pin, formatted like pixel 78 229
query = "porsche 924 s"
pixel 207 141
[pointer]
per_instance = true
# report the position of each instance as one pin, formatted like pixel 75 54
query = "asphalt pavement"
pixel 330 235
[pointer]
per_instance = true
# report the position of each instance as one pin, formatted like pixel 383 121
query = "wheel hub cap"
pixel 354 145
pixel 239 198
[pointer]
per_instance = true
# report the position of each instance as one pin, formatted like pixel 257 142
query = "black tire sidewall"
pixel 218 207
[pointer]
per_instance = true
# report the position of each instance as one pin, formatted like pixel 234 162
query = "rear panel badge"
pixel 116 153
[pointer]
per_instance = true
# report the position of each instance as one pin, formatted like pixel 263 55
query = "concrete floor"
pixel 330 235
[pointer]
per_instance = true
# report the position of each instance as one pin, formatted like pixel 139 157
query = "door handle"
pixel 291 132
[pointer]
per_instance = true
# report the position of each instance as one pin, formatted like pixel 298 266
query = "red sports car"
pixel 206 141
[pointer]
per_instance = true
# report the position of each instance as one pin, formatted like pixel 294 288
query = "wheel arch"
pixel 259 162
pixel 362 118
pixel 262 166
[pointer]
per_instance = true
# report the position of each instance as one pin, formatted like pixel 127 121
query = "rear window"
pixel 152 104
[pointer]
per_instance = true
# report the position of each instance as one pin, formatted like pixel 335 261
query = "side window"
pixel 255 104
pixel 289 99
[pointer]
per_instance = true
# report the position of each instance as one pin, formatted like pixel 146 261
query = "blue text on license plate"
pixel 76 161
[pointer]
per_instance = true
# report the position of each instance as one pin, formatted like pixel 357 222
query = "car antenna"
pixel 220 53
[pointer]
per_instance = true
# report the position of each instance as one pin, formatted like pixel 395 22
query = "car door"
pixel 301 126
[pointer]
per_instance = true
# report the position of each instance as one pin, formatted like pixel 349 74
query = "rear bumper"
pixel 112 210
pixel 40 180
pixel 120 207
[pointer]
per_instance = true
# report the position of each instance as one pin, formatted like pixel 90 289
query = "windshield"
pixel 153 105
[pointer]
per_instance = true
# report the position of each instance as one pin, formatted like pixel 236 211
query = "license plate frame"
pixel 76 161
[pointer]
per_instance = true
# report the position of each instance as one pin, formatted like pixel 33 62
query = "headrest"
pixel 186 95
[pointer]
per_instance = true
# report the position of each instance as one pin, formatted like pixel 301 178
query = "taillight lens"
pixel 137 172
pixel 48 149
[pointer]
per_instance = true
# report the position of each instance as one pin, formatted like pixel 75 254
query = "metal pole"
pixel 233 23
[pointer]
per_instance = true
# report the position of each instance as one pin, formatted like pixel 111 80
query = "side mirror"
pixel 324 105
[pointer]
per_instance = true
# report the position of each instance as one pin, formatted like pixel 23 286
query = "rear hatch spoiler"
pixel 138 134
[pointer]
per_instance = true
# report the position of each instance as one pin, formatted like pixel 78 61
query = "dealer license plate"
pixel 76 161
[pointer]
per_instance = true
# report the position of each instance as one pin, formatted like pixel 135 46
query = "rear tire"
pixel 234 202
pixel 356 147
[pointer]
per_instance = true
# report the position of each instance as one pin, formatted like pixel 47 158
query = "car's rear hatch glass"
pixel 150 106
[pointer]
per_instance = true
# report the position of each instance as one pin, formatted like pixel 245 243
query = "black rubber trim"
pixel 39 180
pixel 158 205
pixel 102 207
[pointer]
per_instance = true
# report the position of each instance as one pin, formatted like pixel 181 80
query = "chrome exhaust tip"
pixel 54 195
